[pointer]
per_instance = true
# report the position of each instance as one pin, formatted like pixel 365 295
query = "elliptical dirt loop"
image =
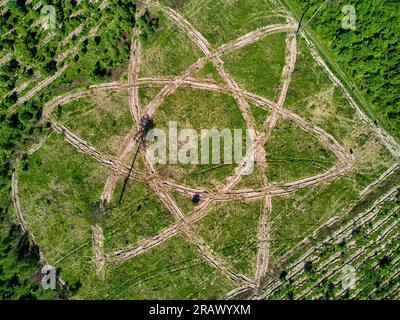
pixel 185 225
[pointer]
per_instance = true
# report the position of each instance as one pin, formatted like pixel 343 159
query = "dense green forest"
pixel 369 54
pixel 29 54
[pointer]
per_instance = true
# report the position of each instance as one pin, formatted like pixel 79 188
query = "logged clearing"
pixel 324 180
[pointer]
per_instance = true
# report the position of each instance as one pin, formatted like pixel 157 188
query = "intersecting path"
pixel 184 224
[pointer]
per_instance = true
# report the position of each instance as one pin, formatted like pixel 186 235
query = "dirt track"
pixel 15 199
pixel 134 107
pixel 241 96
pixel 391 144
pixel 337 236
pixel 269 124
pixel 99 259
pixel 225 192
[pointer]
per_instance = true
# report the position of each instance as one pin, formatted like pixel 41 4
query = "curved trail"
pixel 188 230
pixel 129 252
pixel 86 148
pixel 22 223
pixel 205 47
pixel 202 212
pixel 222 195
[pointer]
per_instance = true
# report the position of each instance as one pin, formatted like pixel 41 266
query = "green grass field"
pixel 260 115
pixel 223 21
pixel 140 215
pixel 147 94
pixel 209 72
pixel 293 154
pixel 171 271
pixel 60 188
pixel 258 67
pixel 168 52
pixel 186 204
pixel 103 120
pixel 185 107
pixel 231 229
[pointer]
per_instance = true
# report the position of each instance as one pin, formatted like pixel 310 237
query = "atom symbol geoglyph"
pixel 184 224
